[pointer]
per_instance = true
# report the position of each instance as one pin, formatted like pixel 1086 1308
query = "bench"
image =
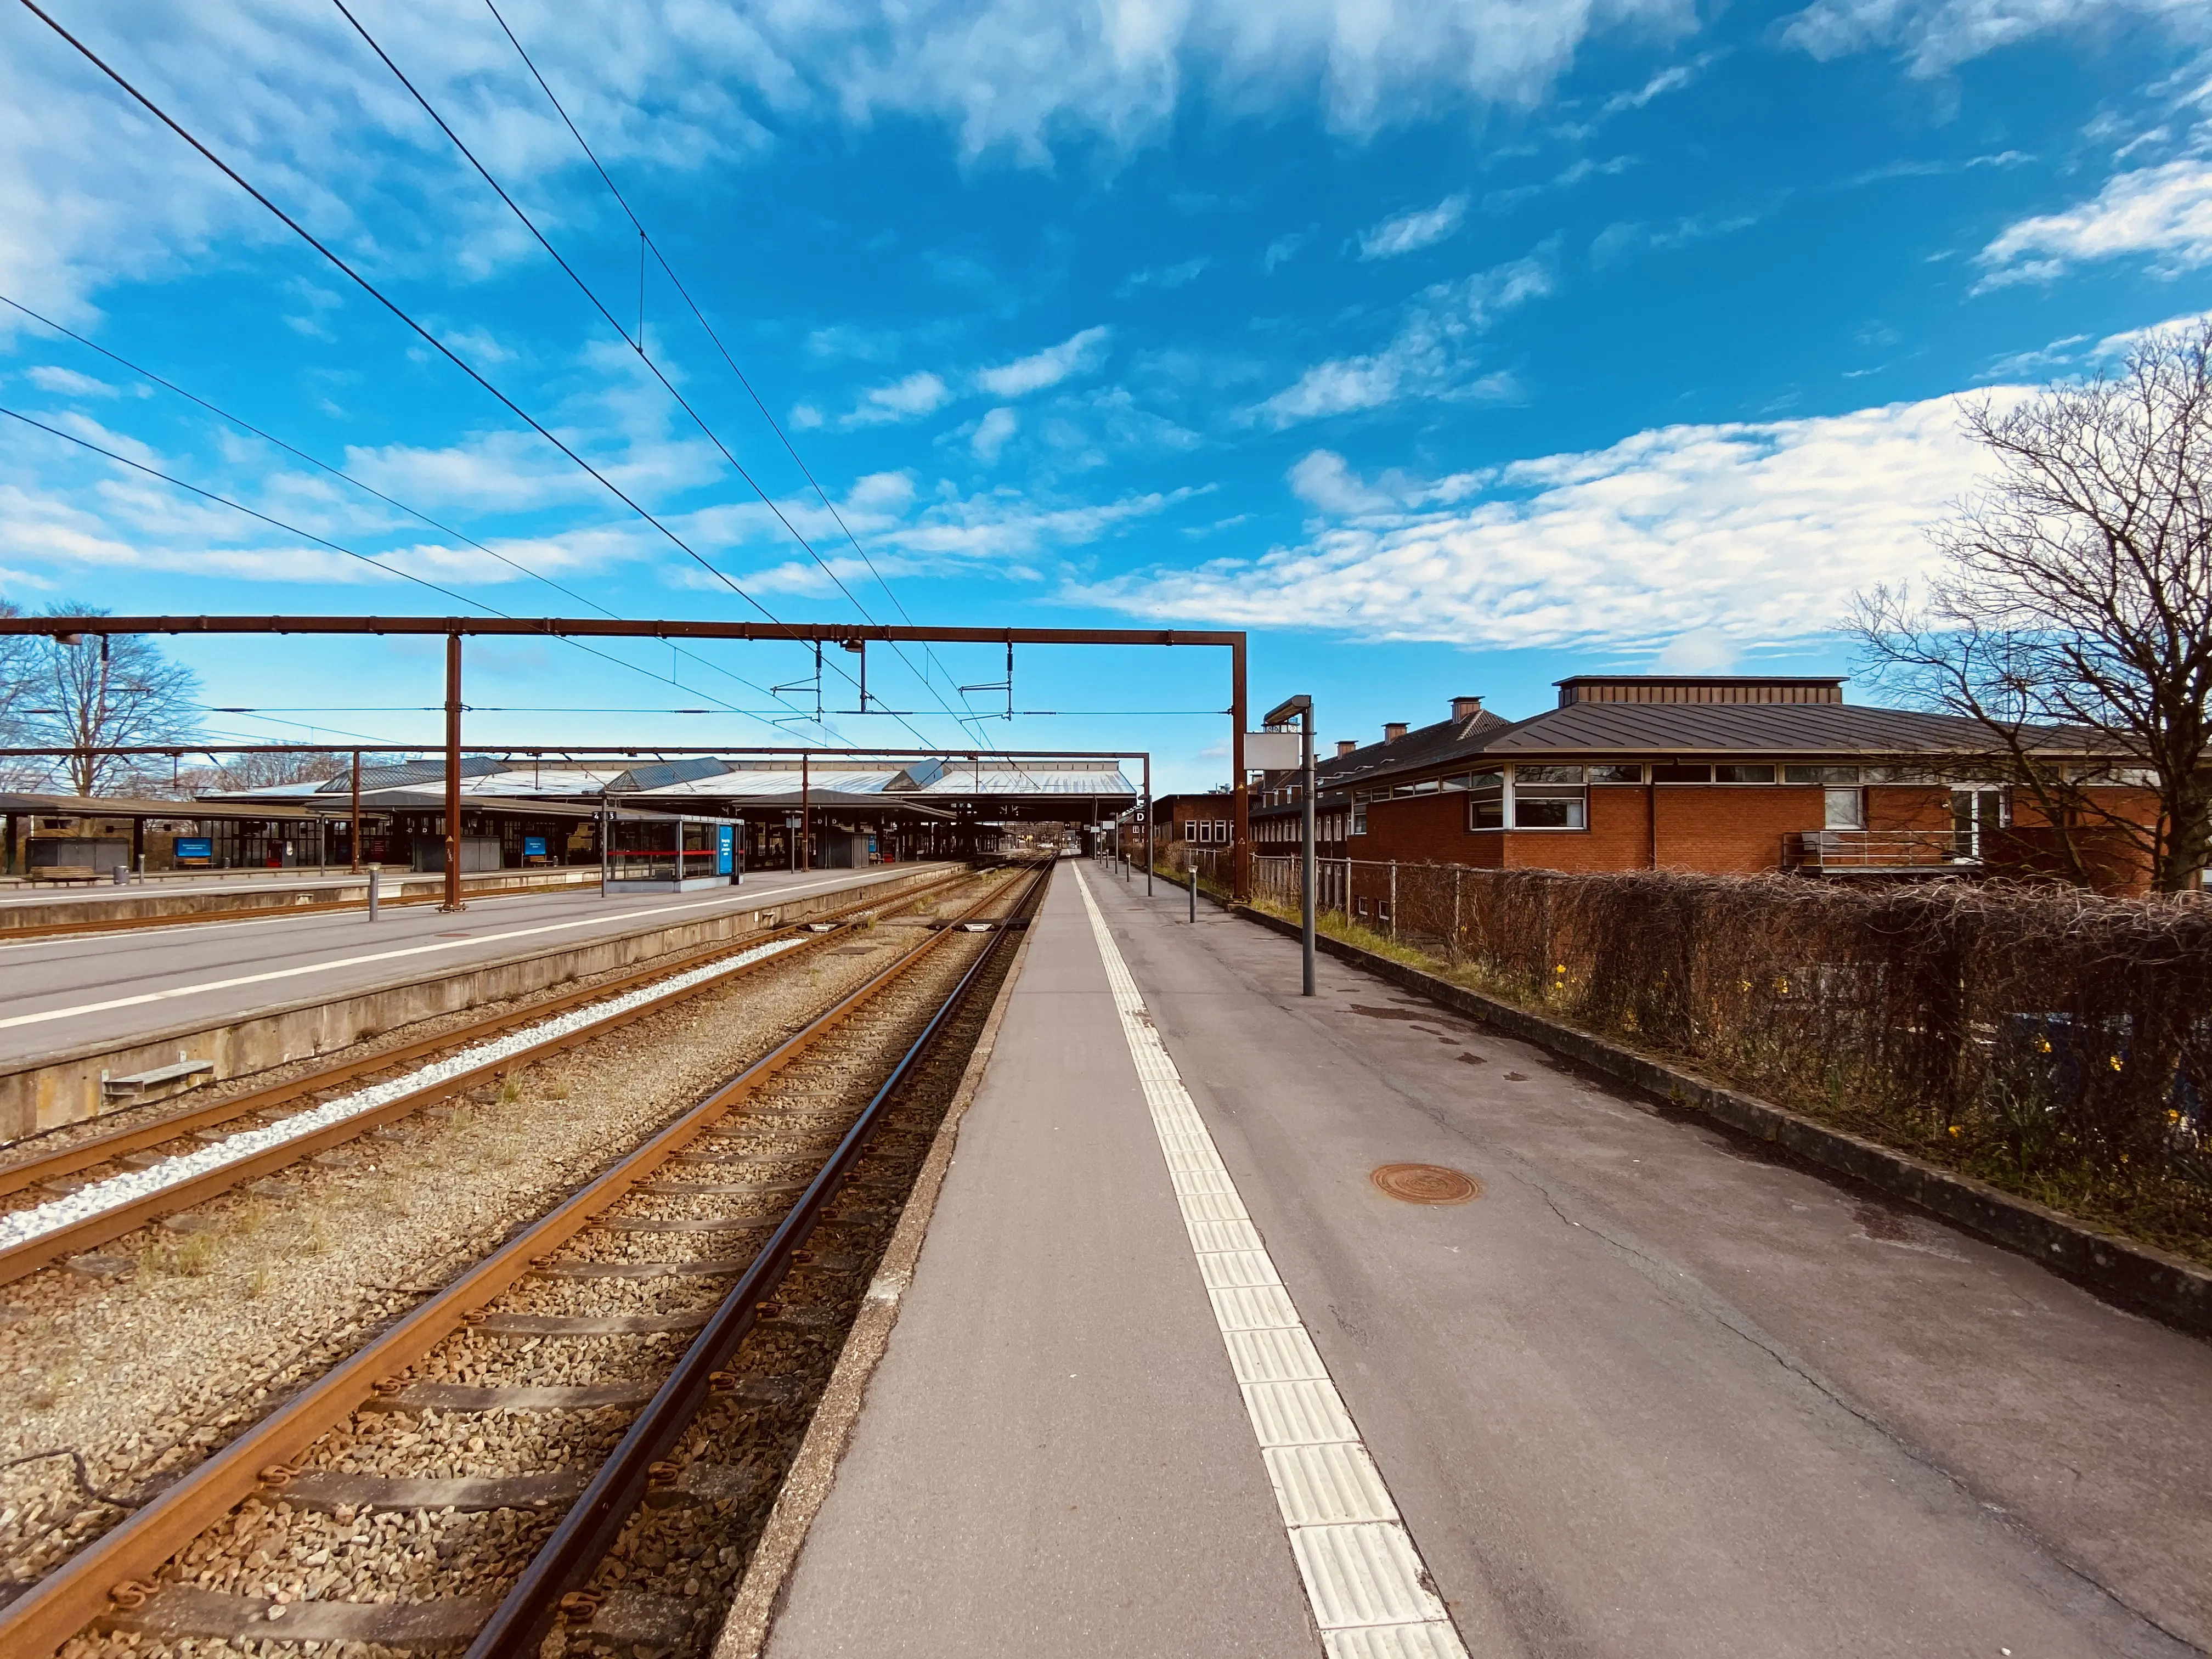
pixel 65 874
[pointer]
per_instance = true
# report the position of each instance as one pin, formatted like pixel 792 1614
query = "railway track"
pixel 581 1432
pixel 93 1189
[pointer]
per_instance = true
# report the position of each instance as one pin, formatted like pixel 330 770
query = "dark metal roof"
pixel 1810 729
pixel 659 774
pixel 737 800
pixel 1446 741
pixel 407 772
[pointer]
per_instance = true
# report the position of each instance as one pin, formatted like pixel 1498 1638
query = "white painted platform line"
pixel 20 1227
pixel 1369 1592
pixel 732 901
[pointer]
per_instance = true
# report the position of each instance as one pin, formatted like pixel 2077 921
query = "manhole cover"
pixel 1425 1183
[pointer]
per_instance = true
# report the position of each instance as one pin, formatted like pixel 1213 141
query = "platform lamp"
pixel 1300 708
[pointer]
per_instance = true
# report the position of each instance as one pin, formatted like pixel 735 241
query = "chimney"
pixel 1466 709
pixel 1345 746
pixel 1393 730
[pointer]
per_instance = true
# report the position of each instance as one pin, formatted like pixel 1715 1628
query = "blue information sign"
pixel 194 849
pixel 533 847
pixel 725 848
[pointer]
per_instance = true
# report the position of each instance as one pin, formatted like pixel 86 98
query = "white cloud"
pixel 1169 277
pixel 1432 355
pixel 1498 200
pixel 67 382
pixel 1706 539
pixel 917 395
pixel 1049 367
pixel 1939 35
pixel 992 433
pixel 93 192
pixel 516 471
pixel 1407 232
pixel 1617 239
pixel 1672 78
pixel 2163 211
pixel 1323 480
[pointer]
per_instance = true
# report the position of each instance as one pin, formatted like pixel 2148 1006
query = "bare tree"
pixel 100 695
pixel 16 655
pixel 2076 594
pixel 264 771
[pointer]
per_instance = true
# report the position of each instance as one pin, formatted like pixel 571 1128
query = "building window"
pixel 1975 815
pixel 1743 775
pixel 1485 801
pixel 1549 798
pixel 1836 776
pixel 1681 775
pixel 1359 907
pixel 1359 818
pixel 1616 775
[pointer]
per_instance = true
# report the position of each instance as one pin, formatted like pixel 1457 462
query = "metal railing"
pixel 1876 849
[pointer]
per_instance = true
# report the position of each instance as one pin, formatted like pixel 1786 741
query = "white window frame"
pixel 1513 801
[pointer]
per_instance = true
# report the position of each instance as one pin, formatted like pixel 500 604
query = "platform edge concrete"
pixel 2134 1275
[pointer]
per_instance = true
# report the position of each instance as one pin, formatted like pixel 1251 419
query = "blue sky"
pixel 1450 347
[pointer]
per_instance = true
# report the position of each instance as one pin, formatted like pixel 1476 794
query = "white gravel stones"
pixel 117 1191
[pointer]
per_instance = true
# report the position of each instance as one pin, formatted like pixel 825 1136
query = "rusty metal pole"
pixel 452 775
pixel 806 812
pixel 1240 794
pixel 353 823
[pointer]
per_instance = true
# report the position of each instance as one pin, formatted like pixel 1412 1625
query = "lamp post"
pixel 1300 708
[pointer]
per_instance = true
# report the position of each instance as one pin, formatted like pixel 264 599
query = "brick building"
pixel 1720 774
pixel 1205 821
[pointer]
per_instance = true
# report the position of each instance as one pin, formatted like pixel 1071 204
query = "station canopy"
pixel 992 788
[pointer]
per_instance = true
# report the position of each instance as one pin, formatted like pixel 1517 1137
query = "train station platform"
pixel 1175 1376
pixel 242 995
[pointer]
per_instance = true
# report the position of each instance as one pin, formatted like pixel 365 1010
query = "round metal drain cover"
pixel 1425 1183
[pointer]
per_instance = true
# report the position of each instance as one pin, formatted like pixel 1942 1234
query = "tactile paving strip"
pixel 1363 1579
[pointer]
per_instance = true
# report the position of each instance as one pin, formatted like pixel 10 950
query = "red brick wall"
pixel 1424 830
pixel 1724 829
pixel 1716 829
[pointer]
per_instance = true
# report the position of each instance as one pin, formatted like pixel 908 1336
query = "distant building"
pixel 1721 774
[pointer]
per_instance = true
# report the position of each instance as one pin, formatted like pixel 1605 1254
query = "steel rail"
pixel 594 1523
pixel 32 1254
pixel 117 1566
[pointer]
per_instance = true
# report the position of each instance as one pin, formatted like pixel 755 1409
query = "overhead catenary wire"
pixel 308 535
pixel 967 718
pixel 398 311
pixel 637 343
pixel 366 487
